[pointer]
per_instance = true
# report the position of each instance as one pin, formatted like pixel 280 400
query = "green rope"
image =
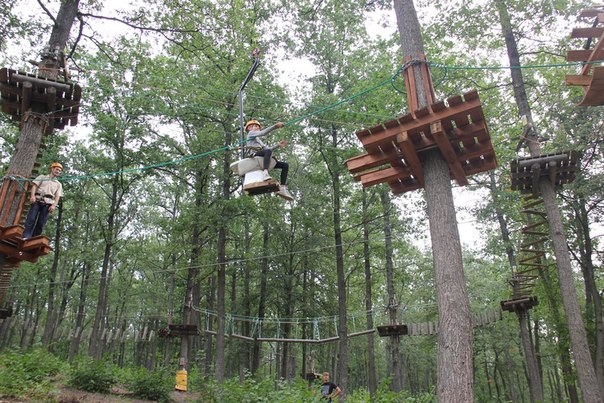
pixel 391 80
pixel 345 100
pixel 531 66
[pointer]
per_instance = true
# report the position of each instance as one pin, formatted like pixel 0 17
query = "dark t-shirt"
pixel 327 389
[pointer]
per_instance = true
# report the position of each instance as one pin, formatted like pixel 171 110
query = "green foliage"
pixel 92 376
pixel 155 385
pixel 29 373
pixel 261 390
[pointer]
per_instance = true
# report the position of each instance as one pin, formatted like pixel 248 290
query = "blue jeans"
pixel 36 218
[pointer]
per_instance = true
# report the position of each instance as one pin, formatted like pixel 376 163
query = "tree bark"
pixel 454 366
pixel 371 369
pixel 580 348
pixel 395 363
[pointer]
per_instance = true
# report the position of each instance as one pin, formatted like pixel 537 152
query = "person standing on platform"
pixel 44 196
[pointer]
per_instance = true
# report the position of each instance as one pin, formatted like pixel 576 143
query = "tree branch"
pixel 47 12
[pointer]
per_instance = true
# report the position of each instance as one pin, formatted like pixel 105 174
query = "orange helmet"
pixel 56 165
pixel 252 122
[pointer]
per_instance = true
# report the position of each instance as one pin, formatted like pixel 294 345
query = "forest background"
pixel 154 230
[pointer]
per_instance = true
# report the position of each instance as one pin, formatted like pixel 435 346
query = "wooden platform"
pixel 392 330
pixel 258 188
pixel 6 313
pixel 17 249
pixel 179 330
pixel 456 127
pixel 19 90
pixel 558 168
pixel 522 304
pixel 591 75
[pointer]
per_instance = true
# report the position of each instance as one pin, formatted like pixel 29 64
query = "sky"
pixel 378 24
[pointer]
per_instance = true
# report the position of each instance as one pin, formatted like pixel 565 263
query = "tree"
pixel 454 379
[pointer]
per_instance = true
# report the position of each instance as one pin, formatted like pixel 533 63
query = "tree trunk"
pixel 341 282
pixel 371 370
pixel 51 314
pixel 74 346
pixel 95 347
pixel 578 336
pixel 262 291
pixel 593 300
pixel 454 366
pixel 395 364
pixel 534 376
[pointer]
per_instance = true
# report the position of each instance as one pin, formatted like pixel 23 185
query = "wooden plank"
pixel 416 126
pixel 11 232
pixel 411 156
pixel 449 155
pixel 578 55
pixel 573 79
pixel 366 161
pixel 384 175
pixel 589 32
pixel 591 13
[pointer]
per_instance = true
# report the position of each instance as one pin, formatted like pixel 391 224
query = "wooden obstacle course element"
pixel 257 188
pixel 14 247
pixel 19 90
pixel 6 313
pixel 483 318
pixel 392 330
pixel 394 149
pixel 174 330
pixel 592 85
pixel 559 168
pixel 284 340
pixel 520 304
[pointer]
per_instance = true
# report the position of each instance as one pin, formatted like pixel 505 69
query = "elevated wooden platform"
pixel 258 188
pixel 559 168
pixel 17 249
pixel 521 304
pixel 60 100
pixel 591 74
pixel 392 330
pixel 179 330
pixel 456 127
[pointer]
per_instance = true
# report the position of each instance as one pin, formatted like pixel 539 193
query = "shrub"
pixel 92 376
pixel 154 386
pixel 26 373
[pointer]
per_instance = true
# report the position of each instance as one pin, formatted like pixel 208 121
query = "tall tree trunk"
pixel 371 370
pixel 51 314
pixel 222 262
pixel 95 346
pixel 562 332
pixel 454 366
pixel 262 291
pixel 34 123
pixel 341 275
pixel 578 337
pixel 74 346
pixel 534 376
pixel 593 299
pixel 395 363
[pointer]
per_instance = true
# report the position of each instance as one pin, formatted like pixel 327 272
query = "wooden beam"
pixel 411 156
pixel 448 153
pixel 590 32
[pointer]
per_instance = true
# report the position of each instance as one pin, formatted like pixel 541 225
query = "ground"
pixel 68 395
